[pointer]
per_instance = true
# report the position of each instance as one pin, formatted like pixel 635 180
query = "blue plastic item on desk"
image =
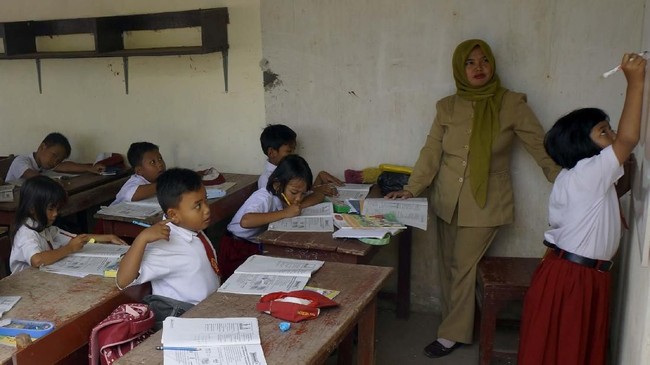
pixel 35 329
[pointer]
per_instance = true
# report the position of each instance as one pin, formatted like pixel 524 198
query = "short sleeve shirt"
pixel 262 201
pixel 584 211
pixel 179 268
pixel 28 242
pixel 19 165
pixel 129 188
pixel 264 178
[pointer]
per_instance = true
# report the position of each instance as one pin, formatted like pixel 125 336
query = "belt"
pixel 600 265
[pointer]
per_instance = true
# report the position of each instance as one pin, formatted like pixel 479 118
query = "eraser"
pixel 92 240
pixel 284 326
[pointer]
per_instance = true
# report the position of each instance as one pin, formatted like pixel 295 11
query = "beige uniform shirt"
pixel 443 161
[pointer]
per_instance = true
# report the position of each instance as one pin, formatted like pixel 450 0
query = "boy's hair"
pixel 56 138
pixel 173 183
pixel 290 167
pixel 37 194
pixel 569 140
pixel 276 135
pixel 137 150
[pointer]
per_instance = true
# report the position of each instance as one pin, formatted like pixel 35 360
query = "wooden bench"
pixel 499 281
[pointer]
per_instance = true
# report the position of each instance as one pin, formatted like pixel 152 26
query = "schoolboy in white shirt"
pixel 148 164
pixel 174 254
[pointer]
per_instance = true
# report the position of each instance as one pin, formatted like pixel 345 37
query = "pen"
pixel 141 224
pixel 177 348
pixel 613 71
pixel 285 199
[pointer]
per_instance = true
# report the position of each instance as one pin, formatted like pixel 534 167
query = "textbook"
pixel 139 210
pixel 6 192
pixel 263 274
pixel 92 259
pixel 317 218
pixel 410 212
pixel 348 194
pixel 361 223
pixel 212 341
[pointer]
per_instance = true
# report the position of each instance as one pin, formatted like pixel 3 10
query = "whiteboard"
pixel 641 183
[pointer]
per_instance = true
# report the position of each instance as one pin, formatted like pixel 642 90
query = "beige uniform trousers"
pixel 460 249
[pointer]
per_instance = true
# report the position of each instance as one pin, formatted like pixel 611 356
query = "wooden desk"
pixel 84 191
pixel 220 208
pixel 75 305
pixel 322 246
pixel 307 342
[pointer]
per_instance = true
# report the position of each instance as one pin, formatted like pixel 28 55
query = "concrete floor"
pixel 401 342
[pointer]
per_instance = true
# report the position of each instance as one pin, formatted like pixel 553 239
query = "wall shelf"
pixel 20 37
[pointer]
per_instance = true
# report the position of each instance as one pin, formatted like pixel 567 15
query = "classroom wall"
pixel 358 81
pixel 632 300
pixel 177 102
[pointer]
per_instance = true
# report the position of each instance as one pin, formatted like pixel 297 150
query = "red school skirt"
pixel 566 315
pixel 233 251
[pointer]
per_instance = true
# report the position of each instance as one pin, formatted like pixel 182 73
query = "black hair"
pixel 276 135
pixel 173 183
pixel 290 167
pixel 137 150
pixel 37 194
pixel 569 140
pixel 58 139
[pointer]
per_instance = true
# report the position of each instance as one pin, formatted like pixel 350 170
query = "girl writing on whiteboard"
pixel 566 310
pixel 281 198
pixel 36 241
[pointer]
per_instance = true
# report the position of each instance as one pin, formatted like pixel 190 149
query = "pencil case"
pixel 35 329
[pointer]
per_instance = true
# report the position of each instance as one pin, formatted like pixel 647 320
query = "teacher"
pixel 467 158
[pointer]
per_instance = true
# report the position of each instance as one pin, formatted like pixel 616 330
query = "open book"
pixel 361 226
pixel 263 274
pixel 317 218
pixel 348 194
pixel 228 341
pixel 411 212
pixel 142 209
pixel 92 259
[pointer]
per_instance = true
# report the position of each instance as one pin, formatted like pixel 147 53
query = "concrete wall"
pixel 177 102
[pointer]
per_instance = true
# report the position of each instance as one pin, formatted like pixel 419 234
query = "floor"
pixel 401 342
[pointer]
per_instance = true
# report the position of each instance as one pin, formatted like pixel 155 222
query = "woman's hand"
pixel 402 194
pixel 96 168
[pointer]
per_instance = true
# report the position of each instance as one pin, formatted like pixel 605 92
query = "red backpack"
pixel 127 326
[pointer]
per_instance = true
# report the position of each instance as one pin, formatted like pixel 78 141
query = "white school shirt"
pixel 28 242
pixel 179 268
pixel 584 211
pixel 19 165
pixel 262 201
pixel 128 189
pixel 264 178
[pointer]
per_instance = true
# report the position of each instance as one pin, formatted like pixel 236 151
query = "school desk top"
pixel 307 342
pixel 220 208
pixel 73 304
pixel 84 191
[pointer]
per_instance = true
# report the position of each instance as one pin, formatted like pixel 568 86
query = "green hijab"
pixel 487 103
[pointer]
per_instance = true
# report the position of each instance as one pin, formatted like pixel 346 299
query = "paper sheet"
pixel 411 212
pixel 7 302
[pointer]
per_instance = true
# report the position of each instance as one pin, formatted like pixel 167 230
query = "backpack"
pixel 127 326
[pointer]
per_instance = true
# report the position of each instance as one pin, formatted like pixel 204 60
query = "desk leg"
pixel 404 274
pixel 107 226
pixel 366 341
pixel 346 347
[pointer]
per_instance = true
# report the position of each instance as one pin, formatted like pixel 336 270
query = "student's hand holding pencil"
pixel 96 168
pixel 77 243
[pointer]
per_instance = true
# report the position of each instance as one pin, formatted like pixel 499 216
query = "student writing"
pixel 174 255
pixel 148 164
pixel 49 155
pixel 37 242
pixel 280 198
pixel 278 141
pixel 566 310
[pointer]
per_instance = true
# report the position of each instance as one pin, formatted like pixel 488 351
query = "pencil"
pixel 141 224
pixel 285 199
pixel 177 348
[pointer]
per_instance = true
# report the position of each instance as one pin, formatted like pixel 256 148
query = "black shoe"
pixel 436 349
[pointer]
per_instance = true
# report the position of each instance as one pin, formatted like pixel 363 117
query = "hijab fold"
pixel 485 126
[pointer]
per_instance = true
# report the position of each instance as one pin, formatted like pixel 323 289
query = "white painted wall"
pixel 177 102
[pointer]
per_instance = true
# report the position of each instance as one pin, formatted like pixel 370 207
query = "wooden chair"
pixel 499 281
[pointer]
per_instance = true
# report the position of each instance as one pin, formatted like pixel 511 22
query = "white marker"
pixel 613 71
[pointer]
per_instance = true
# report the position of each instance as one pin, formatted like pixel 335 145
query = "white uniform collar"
pixel 184 233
